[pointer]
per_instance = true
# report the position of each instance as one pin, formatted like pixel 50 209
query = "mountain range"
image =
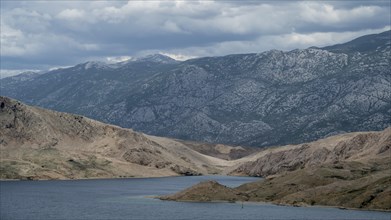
pixel 261 99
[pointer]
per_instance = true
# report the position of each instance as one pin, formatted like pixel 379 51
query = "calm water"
pixel 127 199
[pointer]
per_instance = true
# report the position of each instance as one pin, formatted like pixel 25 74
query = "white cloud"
pixel 172 27
pixel 58 67
pixel 328 14
pixel 66 32
pixel 285 42
pixel 29 20
pixel 15 43
pixel 178 56
pixel 88 47
pixel 9 38
pixel 320 39
pixel 118 59
pixel 71 14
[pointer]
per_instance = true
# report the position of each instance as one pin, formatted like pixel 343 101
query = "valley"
pixel 350 170
pixel 319 120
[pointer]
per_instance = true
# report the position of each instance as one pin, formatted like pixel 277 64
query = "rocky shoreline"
pixel 317 187
pixel 348 171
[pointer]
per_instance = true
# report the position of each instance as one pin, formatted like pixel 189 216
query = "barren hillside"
pixel 362 147
pixel 351 170
pixel 41 144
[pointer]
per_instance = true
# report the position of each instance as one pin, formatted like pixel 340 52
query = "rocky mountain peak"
pixel 157 58
pixel 95 65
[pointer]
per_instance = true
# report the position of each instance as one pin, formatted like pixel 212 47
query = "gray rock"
pixel 270 98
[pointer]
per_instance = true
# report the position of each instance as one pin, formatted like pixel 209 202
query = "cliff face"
pixel 265 99
pixel 42 144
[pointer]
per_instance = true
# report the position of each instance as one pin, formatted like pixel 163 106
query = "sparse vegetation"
pixel 54 145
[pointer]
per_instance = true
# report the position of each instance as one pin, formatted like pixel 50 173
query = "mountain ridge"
pixel 264 99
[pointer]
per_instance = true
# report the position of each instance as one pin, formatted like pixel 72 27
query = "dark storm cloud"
pixel 37 35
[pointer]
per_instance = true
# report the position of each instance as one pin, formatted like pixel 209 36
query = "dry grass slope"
pixel 37 143
pixel 350 170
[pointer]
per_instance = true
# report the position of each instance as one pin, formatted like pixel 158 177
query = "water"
pixel 127 199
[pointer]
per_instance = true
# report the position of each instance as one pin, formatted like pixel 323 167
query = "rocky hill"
pixel 265 99
pixel 350 171
pixel 365 147
pixel 207 191
pixel 42 144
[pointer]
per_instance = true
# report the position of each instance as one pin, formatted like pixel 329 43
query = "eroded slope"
pixel 41 144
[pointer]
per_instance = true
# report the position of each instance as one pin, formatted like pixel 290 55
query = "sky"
pixel 43 35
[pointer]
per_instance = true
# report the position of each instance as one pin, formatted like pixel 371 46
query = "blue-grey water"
pixel 128 199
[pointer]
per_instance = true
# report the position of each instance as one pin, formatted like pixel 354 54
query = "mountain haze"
pixel 265 99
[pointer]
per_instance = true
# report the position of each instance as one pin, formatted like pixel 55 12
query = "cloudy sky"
pixel 40 35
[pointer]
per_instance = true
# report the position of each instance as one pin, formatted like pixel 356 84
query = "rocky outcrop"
pixel 264 99
pixel 207 191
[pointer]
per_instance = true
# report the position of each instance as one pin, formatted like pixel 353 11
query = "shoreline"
pixel 160 197
pixel 113 178
pixel 93 178
pixel 272 203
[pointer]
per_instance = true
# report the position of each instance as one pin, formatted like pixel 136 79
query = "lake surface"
pixel 128 199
